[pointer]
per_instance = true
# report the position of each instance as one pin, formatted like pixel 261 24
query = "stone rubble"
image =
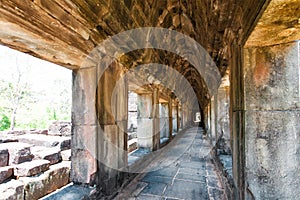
pixel 3 157
pixel 5 173
pixel 33 164
pixel 51 154
pixel 18 152
pixel 12 190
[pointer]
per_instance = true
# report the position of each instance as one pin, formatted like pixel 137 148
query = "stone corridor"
pixel 192 176
pixel 230 67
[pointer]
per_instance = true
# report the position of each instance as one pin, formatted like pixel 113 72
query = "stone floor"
pixel 190 175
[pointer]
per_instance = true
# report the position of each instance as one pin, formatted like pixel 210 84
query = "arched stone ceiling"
pixel 65 31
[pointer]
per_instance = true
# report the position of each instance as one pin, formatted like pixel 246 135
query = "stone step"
pixel 31 168
pixel 63 143
pixel 12 190
pixel 54 178
pixel 3 157
pixel 18 152
pixel 5 173
pixel 51 154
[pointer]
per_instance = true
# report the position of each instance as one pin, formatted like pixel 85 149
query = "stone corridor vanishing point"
pixel 216 91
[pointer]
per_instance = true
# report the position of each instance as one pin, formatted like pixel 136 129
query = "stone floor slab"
pixel 169 172
pixel 189 177
pixel 70 192
pixel 154 189
pixel 157 179
pixel 187 190
pixel 149 197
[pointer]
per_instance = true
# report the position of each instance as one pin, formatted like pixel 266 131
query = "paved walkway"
pixel 189 174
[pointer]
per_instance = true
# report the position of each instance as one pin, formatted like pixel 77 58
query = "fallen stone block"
pixel 63 143
pixel 17 132
pixel 3 157
pixel 5 173
pixel 66 155
pixel 51 154
pixel 31 168
pixel 43 132
pixel 6 140
pixel 54 178
pixel 18 152
pixel 60 128
pixel 12 190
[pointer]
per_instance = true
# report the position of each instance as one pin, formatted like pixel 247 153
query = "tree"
pixel 15 93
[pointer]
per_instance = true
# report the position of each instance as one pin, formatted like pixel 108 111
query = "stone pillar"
pixel 148 132
pixel 112 112
pixel 272 102
pixel 99 125
pixel 164 120
pixel 223 117
pixel 145 121
pixel 237 120
pixel 213 120
pixel 84 127
pixel 174 113
pixel 170 119
pixel 156 120
pixel 178 117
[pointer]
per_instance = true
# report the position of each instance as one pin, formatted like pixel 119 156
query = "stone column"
pixel 213 120
pixel 84 127
pixel 272 102
pixel 237 120
pixel 99 126
pixel 170 119
pixel 178 117
pixel 112 112
pixel 223 117
pixel 156 120
pixel 148 133
pixel 174 113
pixel 145 121
pixel 164 120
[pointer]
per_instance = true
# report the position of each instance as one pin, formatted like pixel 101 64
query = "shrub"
pixel 4 122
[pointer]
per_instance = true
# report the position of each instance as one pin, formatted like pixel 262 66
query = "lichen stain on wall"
pixel 261 74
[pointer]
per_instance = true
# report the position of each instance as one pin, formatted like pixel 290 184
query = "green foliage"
pixel 4 122
pixel 26 103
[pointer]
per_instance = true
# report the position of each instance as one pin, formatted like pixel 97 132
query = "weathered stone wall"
pixel 272 130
